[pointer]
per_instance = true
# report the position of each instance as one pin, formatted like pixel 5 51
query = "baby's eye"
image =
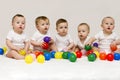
pixel 66 27
pixel 111 23
pixel 23 23
pixel 61 27
pixel 18 22
pixel 106 23
pixel 42 24
pixel 47 23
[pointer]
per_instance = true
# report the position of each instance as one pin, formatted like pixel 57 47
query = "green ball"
pixel 91 57
pixel 87 47
pixel 72 58
pixel 65 55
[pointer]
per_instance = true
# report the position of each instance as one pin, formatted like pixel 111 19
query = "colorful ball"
pixel 69 53
pixel 4 49
pixel 95 44
pixel 65 55
pixel 1 51
pixel 97 53
pixel 87 47
pixel 47 56
pixel 78 54
pixel 52 54
pixel 89 52
pixel 102 56
pixel 45 45
pixel 58 55
pixel 113 47
pixel 22 52
pixel 46 39
pixel 72 58
pixel 110 57
pixel 91 57
pixel 40 59
pixel 28 59
pixel 116 56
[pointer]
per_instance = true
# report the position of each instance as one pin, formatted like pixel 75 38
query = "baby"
pixel 16 39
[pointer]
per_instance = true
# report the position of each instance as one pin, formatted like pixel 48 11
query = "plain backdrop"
pixel 74 11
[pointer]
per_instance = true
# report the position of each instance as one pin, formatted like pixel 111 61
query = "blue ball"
pixel 116 56
pixel 1 51
pixel 47 56
pixel 69 54
pixel 52 54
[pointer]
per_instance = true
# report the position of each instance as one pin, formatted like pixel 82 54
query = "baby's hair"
pixel 60 21
pixel 17 15
pixel 84 24
pixel 40 18
pixel 106 18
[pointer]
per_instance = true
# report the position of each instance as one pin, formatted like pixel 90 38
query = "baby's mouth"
pixel 108 28
pixel 20 27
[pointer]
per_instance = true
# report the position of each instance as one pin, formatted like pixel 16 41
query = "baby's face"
pixel 108 25
pixel 83 32
pixel 18 24
pixel 62 29
pixel 43 26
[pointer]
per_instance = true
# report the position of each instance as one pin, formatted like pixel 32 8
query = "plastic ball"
pixel 89 52
pixel 72 58
pixel 1 51
pixel 97 53
pixel 40 59
pixel 87 47
pixel 91 57
pixel 65 55
pixel 28 59
pixel 4 49
pixel 102 56
pixel 37 53
pixel 110 57
pixel 46 39
pixel 113 47
pixel 95 44
pixel 116 56
pixel 47 56
pixel 45 45
pixel 52 54
pixel 78 54
pixel 22 52
pixel 58 55
pixel 69 54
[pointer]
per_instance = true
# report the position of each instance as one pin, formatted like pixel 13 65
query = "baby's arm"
pixel 27 46
pixel 11 46
pixel 37 44
pixel 90 41
pixel 70 46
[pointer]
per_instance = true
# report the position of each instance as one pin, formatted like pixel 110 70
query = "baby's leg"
pixel 14 54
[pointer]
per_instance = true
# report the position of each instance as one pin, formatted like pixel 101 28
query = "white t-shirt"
pixel 81 45
pixel 62 41
pixel 38 37
pixel 17 39
pixel 104 42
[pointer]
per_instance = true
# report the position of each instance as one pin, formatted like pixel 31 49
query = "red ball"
pixel 37 54
pixel 78 54
pixel 110 57
pixel 45 45
pixel 113 47
pixel 102 55
pixel 89 52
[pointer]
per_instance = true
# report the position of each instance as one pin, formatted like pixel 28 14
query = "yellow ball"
pixel 58 55
pixel 22 52
pixel 74 53
pixel 97 53
pixel 28 59
pixel 4 49
pixel 40 59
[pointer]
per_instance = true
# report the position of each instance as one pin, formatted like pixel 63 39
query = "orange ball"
pixel 113 47
pixel 102 55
